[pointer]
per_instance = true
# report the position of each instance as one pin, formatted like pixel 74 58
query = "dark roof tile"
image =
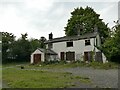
pixel 71 38
pixel 47 51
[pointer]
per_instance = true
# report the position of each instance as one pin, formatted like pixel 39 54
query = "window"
pixel 87 42
pixel 69 44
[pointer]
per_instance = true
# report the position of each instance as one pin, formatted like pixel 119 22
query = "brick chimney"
pixel 50 36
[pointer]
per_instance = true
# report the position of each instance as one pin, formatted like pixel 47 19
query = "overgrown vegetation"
pixel 64 64
pixel 18 78
pixel 19 50
pixel 86 20
pixel 111 47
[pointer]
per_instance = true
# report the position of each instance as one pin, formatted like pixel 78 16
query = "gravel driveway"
pixel 100 78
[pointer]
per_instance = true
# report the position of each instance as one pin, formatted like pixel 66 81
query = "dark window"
pixel 69 44
pixel 87 42
pixel 70 56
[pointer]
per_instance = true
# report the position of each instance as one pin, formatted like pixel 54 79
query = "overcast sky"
pixel 41 17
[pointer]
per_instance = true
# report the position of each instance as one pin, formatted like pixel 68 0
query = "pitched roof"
pixel 72 38
pixel 47 51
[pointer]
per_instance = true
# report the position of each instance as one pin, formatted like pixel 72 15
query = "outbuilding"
pixel 41 55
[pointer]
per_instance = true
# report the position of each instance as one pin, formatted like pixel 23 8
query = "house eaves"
pixel 47 51
pixel 72 38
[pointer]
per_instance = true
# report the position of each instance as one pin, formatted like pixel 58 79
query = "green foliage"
pixel 84 20
pixel 42 42
pixel 98 65
pixel 34 44
pixel 51 62
pixel 8 40
pixel 94 64
pixel 22 48
pixel 19 50
pixel 92 53
pixel 111 47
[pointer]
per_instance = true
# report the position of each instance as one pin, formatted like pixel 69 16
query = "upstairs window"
pixel 87 42
pixel 69 44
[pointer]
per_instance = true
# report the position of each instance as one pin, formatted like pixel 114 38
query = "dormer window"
pixel 87 42
pixel 69 44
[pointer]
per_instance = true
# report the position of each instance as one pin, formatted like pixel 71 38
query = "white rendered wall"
pixel 37 52
pixel 78 47
pixel 31 59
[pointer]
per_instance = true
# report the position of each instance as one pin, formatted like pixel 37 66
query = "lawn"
pixel 18 78
pixel 0 76
pixel 32 76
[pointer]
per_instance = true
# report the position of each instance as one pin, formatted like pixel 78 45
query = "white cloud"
pixel 87 1
pixel 40 17
pixel 10 22
pixel 109 13
pixel 39 4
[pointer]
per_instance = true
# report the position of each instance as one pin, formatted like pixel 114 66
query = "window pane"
pixel 87 42
pixel 69 44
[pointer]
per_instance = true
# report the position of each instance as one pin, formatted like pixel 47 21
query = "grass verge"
pixel 95 65
pixel 18 78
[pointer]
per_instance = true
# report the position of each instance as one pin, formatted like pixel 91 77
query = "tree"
pixel 83 21
pixel 22 48
pixel 42 42
pixel 7 45
pixel 111 47
pixel 34 44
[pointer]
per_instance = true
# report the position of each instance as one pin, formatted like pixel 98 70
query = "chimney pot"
pixel 50 36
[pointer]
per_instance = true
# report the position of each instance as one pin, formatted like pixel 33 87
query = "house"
pixel 73 48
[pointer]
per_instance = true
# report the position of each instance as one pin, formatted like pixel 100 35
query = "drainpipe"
pixel 94 49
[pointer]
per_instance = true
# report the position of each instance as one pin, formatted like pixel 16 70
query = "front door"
pixel 62 55
pixel 87 56
pixel 37 58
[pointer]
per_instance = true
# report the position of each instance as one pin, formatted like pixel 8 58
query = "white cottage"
pixel 79 47
pixel 71 48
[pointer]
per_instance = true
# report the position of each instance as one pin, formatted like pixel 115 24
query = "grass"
pixel 95 65
pixel 83 79
pixel 0 76
pixel 18 78
pixel 0 73
pixel 27 78
pixel 98 65
pixel 14 64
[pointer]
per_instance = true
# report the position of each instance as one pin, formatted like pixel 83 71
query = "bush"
pixel 50 62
